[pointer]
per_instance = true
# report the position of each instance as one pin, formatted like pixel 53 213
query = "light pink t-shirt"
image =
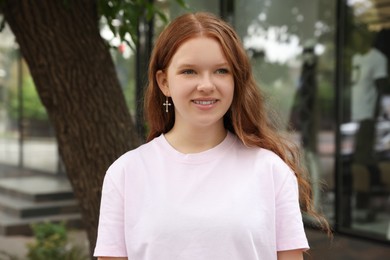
pixel 227 203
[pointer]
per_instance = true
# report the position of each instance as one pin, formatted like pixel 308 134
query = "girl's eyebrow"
pixel 186 65
pixel 223 64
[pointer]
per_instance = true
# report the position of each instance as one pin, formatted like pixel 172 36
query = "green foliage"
pixel 51 243
pixel 32 106
pixel 123 16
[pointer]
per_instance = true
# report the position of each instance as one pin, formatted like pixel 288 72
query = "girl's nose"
pixel 206 84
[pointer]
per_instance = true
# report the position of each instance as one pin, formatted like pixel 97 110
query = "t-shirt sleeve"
pixel 290 233
pixel 380 70
pixel 111 237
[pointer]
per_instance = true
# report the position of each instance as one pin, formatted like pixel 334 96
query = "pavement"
pixel 343 247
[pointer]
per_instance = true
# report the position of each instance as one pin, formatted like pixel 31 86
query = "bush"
pixel 51 243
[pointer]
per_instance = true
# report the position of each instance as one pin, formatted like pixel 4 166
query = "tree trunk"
pixel 77 83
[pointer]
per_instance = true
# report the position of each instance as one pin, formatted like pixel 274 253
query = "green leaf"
pixel 122 32
pixel 162 16
pixel 150 11
pixel 183 4
pixel 129 13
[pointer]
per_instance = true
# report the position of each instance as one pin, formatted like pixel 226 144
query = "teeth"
pixel 209 102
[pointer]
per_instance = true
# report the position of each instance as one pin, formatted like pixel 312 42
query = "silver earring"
pixel 166 104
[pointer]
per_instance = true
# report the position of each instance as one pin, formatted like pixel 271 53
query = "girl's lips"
pixel 204 102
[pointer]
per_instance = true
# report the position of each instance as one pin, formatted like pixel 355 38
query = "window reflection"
pixel 291 45
pixel 366 128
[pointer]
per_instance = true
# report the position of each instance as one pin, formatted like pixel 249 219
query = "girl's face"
pixel 200 82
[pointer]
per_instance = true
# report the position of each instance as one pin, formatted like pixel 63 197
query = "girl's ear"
pixel 162 81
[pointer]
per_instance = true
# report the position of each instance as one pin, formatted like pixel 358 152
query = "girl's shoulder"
pixel 265 160
pixel 129 158
pixel 260 154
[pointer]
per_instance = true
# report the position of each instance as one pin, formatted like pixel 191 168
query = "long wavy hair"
pixel 247 117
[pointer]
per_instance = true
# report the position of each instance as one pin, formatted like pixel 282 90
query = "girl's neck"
pixel 195 140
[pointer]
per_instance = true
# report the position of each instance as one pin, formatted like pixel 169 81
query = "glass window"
pixel 291 45
pixel 365 128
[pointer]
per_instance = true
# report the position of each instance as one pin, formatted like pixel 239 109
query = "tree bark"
pixel 77 83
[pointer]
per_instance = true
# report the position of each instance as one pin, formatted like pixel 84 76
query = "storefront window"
pixel 291 45
pixel 365 129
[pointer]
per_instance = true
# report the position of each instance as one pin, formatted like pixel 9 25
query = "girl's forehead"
pixel 197 40
pixel 198 49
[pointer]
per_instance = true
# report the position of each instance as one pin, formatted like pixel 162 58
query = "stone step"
pixel 29 199
pixel 37 188
pixel 10 226
pixel 21 208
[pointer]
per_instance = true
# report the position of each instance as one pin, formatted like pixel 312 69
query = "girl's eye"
pixel 188 72
pixel 222 71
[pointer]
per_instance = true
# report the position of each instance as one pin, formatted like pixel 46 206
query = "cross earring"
pixel 166 104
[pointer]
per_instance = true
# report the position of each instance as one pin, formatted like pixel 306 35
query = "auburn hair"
pixel 247 117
